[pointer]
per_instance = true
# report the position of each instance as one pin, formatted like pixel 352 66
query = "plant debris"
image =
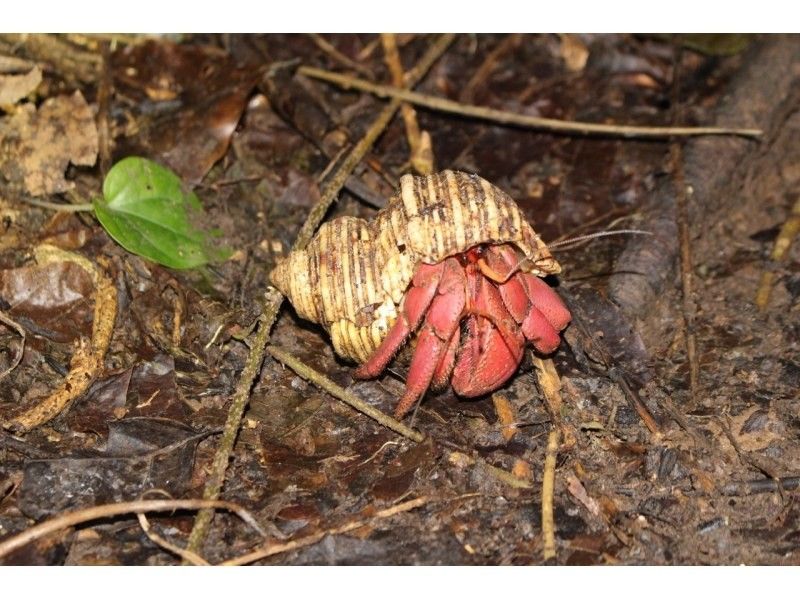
pixel 202 383
pixel 36 146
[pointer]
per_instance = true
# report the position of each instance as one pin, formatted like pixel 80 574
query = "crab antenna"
pixel 625 231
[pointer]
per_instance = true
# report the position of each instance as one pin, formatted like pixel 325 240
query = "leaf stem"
pixel 59 207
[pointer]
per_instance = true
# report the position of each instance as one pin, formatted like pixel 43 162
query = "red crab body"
pixel 473 314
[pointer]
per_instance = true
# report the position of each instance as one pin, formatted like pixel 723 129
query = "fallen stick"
pixel 548 488
pixel 67 520
pixel 340 393
pixel 274 299
pixel 514 118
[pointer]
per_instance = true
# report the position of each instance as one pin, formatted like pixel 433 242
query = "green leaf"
pixel 146 210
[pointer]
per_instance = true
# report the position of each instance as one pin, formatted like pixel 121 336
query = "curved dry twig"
pixel 87 362
pixel 67 520
pixel 21 331
pixel 273 549
pixel 188 555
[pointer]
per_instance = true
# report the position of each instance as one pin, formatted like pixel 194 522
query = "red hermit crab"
pixel 450 258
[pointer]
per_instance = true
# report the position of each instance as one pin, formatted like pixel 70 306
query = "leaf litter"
pixel 304 462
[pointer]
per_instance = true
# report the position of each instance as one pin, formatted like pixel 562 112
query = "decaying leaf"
pixel 200 92
pixel 15 87
pixel 141 454
pixel 87 360
pixel 52 299
pixel 36 146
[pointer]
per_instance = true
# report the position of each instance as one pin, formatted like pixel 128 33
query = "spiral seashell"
pixel 352 276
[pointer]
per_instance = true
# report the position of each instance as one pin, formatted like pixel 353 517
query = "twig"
pixel 58 207
pixel 508 43
pixel 618 377
pixel 273 549
pixel 188 555
pixel 459 458
pixel 669 406
pixel 331 51
pixel 513 118
pixel 591 351
pixel 21 331
pixel 684 236
pixel 550 385
pixel 87 361
pixel 760 486
pixel 746 458
pixel 67 520
pixel 340 393
pixel 548 486
pixel 418 142
pixel 687 277
pixel 274 299
pixel 789 230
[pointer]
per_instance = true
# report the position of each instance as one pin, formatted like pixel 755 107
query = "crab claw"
pixel 547 315
pixel 535 306
pixel 494 346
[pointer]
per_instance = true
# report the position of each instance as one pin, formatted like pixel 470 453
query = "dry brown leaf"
pixel 15 87
pixel 574 52
pixel 37 146
pixel 577 490
pixel 522 470
pixel 506 415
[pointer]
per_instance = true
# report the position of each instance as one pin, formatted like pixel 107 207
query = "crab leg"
pixel 546 300
pixel 416 301
pixel 493 347
pixel 441 376
pixel 435 336
pixel 533 304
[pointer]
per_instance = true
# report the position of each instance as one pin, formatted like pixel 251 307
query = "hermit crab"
pixel 451 259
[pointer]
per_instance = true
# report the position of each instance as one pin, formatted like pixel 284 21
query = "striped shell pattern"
pixel 352 276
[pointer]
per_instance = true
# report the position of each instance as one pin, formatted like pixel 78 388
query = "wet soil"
pixel 716 483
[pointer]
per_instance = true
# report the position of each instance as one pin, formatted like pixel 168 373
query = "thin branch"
pixel 548 486
pixel 273 549
pixel 508 44
pixel 188 555
pixel 340 393
pixel 274 300
pixel 87 361
pixel 21 331
pixel 550 385
pixel 513 118
pixel 336 55
pixel 617 376
pixel 58 207
pixel 419 142
pixel 67 520
pixel 686 261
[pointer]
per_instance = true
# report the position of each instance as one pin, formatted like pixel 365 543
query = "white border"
pixel 150 16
